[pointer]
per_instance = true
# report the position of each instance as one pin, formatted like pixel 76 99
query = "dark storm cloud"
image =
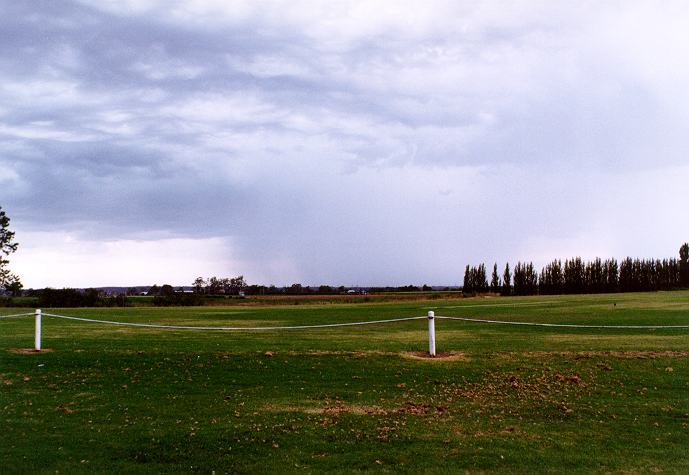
pixel 123 191
pixel 353 142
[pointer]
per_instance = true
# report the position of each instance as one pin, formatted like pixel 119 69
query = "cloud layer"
pixel 342 143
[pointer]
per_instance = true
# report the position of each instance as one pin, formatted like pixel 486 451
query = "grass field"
pixel 509 399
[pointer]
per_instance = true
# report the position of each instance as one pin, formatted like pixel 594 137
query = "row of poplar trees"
pixel 577 276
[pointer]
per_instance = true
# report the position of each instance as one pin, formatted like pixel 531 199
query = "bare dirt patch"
pixel 329 409
pixel 442 356
pixel 339 408
pixel 29 351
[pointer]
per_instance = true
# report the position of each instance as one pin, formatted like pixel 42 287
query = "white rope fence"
pixel 431 325
pixel 566 325
pixel 190 327
pixel 17 315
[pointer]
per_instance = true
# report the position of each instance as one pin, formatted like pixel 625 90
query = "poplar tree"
pixel 481 280
pixel 506 281
pixel 467 285
pixel 684 265
pixel 495 280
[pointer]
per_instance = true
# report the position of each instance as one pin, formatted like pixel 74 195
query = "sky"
pixel 348 143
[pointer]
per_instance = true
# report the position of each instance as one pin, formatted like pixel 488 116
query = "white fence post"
pixel 37 340
pixel 431 333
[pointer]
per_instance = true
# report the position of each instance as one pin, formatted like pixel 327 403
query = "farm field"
pixel 514 399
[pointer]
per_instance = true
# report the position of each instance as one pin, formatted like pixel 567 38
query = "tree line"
pixel 76 298
pixel 219 285
pixel 238 285
pixel 576 276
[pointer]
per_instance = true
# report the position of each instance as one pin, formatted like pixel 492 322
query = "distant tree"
pixel 14 288
pixel 214 285
pixel 7 246
pixel 481 279
pixel 626 277
pixel 594 276
pixel 167 290
pixel 531 279
pixel 237 284
pixel 684 265
pixel 574 276
pixel 610 269
pixel 295 289
pixel 495 280
pixel 199 285
pixel 92 298
pixel 551 278
pixel 475 279
pixel 519 287
pixel 506 281
pixel 153 290
pixel 525 279
pixel 467 283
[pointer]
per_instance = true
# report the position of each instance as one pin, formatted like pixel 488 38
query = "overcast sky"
pixel 338 142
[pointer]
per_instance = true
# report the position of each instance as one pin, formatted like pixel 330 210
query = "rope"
pixel 17 315
pixel 184 327
pixel 565 325
pixel 371 322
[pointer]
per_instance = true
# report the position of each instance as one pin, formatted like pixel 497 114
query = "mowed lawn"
pixel 507 399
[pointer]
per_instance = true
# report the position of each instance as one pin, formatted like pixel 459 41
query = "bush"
pixel 77 298
pixel 177 300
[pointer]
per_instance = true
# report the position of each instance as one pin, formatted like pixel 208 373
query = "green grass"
pixel 514 399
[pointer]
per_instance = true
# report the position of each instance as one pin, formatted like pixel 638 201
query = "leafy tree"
pixel 237 284
pixel 7 246
pixel 14 288
pixel 199 285
pixel 214 285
